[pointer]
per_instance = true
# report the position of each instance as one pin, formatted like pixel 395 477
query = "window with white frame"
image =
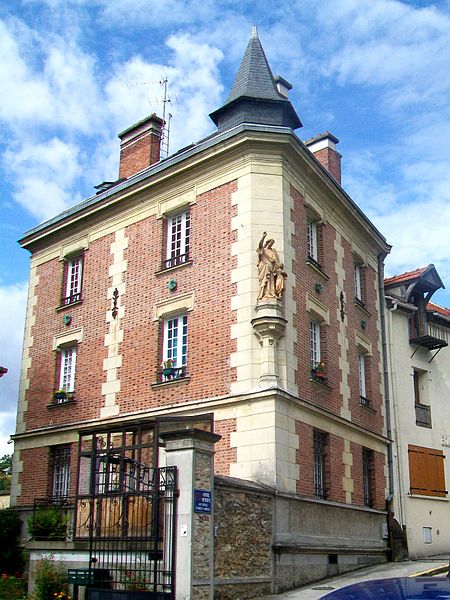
pixel 362 379
pixel 358 285
pixel 314 340
pixel 178 239
pixel 73 280
pixel 312 240
pixel 60 459
pixel 67 366
pixel 175 335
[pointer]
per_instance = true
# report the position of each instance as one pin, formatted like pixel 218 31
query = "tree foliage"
pixel 11 558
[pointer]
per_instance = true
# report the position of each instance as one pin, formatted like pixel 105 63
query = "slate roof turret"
pixel 254 97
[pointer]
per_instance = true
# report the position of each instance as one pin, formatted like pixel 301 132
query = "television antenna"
pixel 166 116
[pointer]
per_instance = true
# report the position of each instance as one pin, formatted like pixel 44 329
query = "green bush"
pixel 50 580
pixel 12 588
pixel 11 558
pixel 48 523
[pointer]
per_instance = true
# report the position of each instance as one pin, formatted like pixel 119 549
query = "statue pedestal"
pixel 269 326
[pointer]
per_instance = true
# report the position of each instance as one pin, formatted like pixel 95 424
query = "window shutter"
pixel 426 471
pixel 417 470
pixel 435 463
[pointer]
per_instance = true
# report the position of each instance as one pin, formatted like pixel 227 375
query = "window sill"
pixel 63 306
pixel 316 268
pixel 367 404
pixel 362 307
pixel 424 497
pixel 174 268
pixel 161 384
pixel 57 404
pixel 322 382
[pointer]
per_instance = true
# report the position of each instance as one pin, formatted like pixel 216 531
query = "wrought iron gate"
pixel 128 516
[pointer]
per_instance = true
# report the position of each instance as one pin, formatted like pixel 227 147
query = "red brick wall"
pixel 209 343
pixel 139 155
pixel 334 468
pixel 370 418
pixel 336 450
pixel 379 480
pixel 304 455
pixel 89 314
pixel 331 160
pixel 306 278
pixel 225 454
pixel 38 480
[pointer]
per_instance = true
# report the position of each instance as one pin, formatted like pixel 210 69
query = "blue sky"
pixel 74 73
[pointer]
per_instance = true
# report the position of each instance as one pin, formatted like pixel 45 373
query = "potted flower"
pixel 60 394
pixel 168 367
pixel 318 371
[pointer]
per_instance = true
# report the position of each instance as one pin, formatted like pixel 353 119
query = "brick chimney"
pixel 140 146
pixel 323 147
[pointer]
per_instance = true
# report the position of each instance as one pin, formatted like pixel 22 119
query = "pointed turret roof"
pixel 254 97
pixel 254 78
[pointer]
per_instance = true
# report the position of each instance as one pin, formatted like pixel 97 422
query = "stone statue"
pixel 271 271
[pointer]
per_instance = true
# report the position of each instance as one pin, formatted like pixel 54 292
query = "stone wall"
pixel 267 542
pixel 243 521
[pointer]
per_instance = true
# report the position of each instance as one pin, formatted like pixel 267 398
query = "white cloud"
pixel 194 89
pixel 388 43
pixel 7 428
pixel 46 176
pixel 59 89
pixel 12 314
pixel 13 304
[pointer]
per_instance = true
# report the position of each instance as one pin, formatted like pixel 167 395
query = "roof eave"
pixel 97 201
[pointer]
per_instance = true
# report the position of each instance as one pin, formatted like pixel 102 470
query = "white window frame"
pixel 74 278
pixel 178 238
pixel 175 340
pixel 314 343
pixel 67 368
pixel 362 376
pixel 358 287
pixel 312 239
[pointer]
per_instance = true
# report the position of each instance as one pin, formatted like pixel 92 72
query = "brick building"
pixel 160 299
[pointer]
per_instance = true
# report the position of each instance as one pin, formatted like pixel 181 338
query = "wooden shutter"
pixel 436 477
pixel 426 471
pixel 417 470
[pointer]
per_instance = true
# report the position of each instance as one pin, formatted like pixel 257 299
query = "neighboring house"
pixel 160 303
pixel 419 332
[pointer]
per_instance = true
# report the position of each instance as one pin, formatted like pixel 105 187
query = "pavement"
pixel 427 566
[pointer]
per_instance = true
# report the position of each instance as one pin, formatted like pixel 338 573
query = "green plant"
pixel 12 587
pixel 11 558
pixel 169 363
pixel 50 580
pixel 48 522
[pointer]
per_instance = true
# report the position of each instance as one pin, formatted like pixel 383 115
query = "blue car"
pixel 397 588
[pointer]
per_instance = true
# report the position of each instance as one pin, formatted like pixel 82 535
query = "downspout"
pixel 387 401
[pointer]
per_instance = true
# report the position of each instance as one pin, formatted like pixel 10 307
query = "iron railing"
pixel 52 518
pixel 171 374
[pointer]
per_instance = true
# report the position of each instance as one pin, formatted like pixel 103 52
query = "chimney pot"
pixel 140 146
pixel 323 147
pixel 283 86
